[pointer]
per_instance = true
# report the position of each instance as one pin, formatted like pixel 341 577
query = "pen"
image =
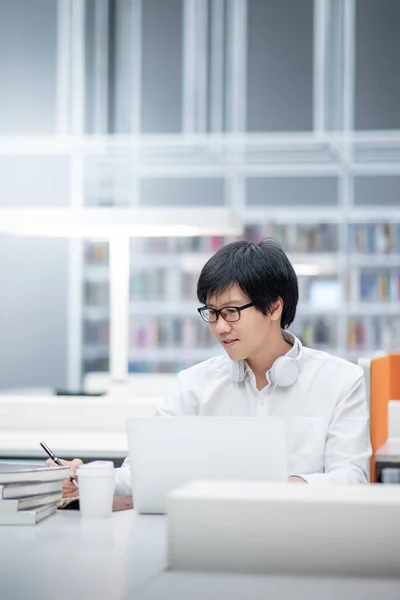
pixel 56 459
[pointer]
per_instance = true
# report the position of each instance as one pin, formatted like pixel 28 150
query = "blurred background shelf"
pixel 149 103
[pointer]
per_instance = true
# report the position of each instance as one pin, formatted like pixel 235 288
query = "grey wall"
pixel 293 191
pixel 27 66
pixel 377 82
pixel 280 65
pixel 33 317
pixel 33 272
pixel 161 66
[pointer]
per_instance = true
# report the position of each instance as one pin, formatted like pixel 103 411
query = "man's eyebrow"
pixel 233 302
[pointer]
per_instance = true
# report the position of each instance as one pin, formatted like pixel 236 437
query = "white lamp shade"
pixel 117 222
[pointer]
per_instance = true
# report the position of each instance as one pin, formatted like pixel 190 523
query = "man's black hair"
pixel 262 271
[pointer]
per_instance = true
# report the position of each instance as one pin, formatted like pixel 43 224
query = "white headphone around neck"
pixel 283 373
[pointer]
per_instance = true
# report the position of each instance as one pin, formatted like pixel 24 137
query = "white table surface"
pixel 80 444
pixel 69 558
pixel 66 557
pixel 220 586
pixel 389 452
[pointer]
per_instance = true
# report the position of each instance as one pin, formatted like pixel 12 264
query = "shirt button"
pixel 261 402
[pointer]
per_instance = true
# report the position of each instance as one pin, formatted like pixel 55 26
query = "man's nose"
pixel 221 326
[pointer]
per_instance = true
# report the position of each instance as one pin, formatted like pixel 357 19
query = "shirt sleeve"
pixel 123 481
pixel 177 403
pixel 348 447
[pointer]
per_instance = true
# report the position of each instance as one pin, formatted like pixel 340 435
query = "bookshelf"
pixel 166 335
pixel 319 169
pixel 348 272
pixel 165 332
pixel 374 286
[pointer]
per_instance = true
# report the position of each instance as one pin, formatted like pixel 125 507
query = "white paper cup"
pixel 96 488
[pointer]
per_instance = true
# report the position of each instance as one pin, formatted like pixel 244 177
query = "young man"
pixel 249 295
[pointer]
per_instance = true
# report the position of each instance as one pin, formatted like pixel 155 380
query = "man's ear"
pixel 276 310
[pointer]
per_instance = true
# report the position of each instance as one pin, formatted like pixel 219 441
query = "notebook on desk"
pixel 27 517
pixel 24 472
pixel 169 452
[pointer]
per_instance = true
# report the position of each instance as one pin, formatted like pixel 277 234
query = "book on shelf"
pixel 378 286
pixel 148 284
pixel 374 238
pixel 23 490
pixel 161 332
pixel 24 472
pixel 319 332
pixel 97 253
pixel 297 237
pixel 27 517
pixel 97 293
pixel 374 333
pixel 96 332
pixel 195 244
pixel 31 502
pixel 294 237
pixel 154 285
pixel 357 335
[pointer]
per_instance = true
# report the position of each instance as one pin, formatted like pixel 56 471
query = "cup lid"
pixel 95 466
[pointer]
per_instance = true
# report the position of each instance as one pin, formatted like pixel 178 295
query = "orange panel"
pixel 385 386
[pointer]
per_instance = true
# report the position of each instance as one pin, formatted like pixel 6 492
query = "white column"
pixel 202 70
pixel 100 75
pixel 119 308
pixel 77 67
pixel 63 67
pixel 349 66
pixel 347 179
pixel 320 89
pixel 136 97
pixel 195 66
pixel 70 121
pixel 217 67
pixel 136 54
pixel 236 89
pixel 189 67
pixel 236 97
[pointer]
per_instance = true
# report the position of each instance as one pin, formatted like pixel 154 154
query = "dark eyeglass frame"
pixel 218 312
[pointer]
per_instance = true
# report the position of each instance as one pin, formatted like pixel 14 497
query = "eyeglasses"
pixel 228 313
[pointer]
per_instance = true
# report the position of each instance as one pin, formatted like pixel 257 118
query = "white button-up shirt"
pixel 325 413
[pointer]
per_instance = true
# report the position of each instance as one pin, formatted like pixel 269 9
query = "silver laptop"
pixel 168 452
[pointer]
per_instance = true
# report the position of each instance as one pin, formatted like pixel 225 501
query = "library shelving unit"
pixel 349 295
pixel 328 189
pixel 166 333
pixel 289 139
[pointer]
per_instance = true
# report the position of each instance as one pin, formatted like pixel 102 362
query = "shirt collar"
pixel 293 352
pixel 291 339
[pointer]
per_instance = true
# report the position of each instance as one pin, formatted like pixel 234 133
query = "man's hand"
pixel 69 489
pixel 295 479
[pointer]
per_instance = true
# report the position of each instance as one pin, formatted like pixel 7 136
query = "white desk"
pixel 85 445
pixel 80 427
pixel 68 558
pixel 389 452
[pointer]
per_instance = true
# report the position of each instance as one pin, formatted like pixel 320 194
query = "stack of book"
pixel 29 494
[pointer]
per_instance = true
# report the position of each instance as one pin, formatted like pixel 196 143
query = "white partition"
pixel 394 419
pixel 138 384
pixel 72 413
pixel 246 527
pixel 71 425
